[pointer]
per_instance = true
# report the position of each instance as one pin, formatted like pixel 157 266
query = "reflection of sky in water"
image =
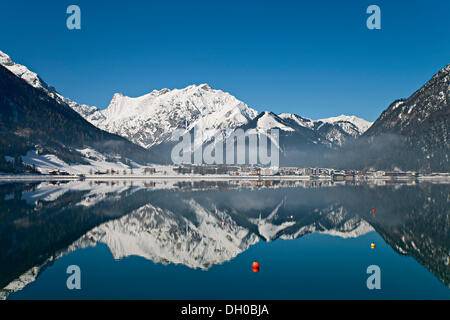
pixel 312 243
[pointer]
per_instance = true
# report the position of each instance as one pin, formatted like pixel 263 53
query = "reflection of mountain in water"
pixel 163 236
pixel 168 226
pixel 423 229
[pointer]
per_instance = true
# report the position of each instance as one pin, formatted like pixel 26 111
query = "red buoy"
pixel 373 210
pixel 255 265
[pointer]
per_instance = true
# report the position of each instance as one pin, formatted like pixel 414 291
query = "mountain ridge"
pixel 417 126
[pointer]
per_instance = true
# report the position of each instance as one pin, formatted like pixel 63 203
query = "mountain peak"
pixel 205 86
pixel 360 123
pixel 5 60
pixel 23 72
pixel 267 120
pixel 267 114
pixel 196 87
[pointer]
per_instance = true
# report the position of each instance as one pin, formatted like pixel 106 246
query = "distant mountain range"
pixel 149 120
pixel 303 141
pixel 418 125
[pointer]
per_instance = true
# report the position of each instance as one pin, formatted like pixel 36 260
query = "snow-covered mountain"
pixel 344 121
pixel 306 142
pixel 336 130
pixel 333 131
pixel 151 119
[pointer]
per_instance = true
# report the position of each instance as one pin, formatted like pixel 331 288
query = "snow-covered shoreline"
pixel 153 177
pixel 433 177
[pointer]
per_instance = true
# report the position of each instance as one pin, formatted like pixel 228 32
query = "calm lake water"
pixel 180 240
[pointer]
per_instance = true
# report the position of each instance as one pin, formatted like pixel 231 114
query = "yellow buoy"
pixel 372 245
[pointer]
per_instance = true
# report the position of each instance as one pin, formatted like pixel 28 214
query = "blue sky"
pixel 313 58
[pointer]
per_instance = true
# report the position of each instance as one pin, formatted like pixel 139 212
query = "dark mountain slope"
pixel 30 118
pixel 411 134
pixel 423 121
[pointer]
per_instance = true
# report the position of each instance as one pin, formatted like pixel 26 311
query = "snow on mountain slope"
pixel 88 112
pixel 335 130
pixel 304 122
pixel 151 119
pixel 343 121
pixel 331 133
pixel 269 121
pixel 347 123
pixel 95 161
pixel 22 72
